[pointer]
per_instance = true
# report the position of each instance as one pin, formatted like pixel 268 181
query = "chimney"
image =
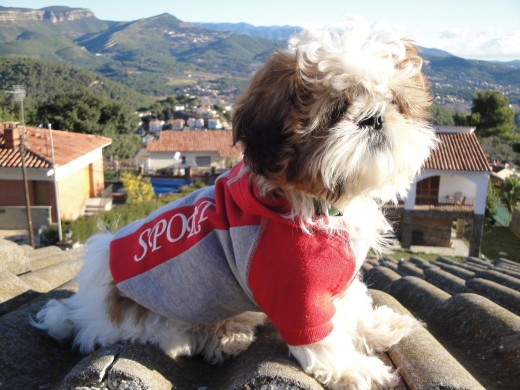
pixel 11 136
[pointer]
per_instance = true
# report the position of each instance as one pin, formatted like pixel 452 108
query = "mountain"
pixel 163 55
pixel 454 80
pixel 281 33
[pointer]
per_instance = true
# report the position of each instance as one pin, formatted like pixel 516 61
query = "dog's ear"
pixel 262 120
pixel 412 90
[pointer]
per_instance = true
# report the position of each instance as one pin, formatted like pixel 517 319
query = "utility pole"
pixel 19 96
pixel 56 190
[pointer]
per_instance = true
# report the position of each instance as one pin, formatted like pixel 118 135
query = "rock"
pixel 14 258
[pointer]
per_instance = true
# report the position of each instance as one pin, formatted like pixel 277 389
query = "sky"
pixel 473 29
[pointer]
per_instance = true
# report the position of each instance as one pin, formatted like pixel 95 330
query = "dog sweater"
pixel 225 249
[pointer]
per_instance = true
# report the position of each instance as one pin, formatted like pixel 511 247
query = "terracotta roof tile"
pixel 458 152
pixel 68 146
pixel 195 141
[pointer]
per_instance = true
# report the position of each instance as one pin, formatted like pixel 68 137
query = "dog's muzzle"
pixel 375 121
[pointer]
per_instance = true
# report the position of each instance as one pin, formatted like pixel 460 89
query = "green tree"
pixel 441 116
pixel 124 146
pixel 510 192
pixel 491 114
pixel 461 119
pixel 138 189
pixel 82 111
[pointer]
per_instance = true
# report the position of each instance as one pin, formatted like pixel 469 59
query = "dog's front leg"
pixel 337 364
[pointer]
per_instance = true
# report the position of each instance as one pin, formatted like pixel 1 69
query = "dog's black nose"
pixel 375 121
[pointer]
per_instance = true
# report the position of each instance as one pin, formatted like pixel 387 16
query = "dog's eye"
pixel 337 113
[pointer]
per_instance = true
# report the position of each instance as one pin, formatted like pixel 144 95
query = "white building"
pixel 451 186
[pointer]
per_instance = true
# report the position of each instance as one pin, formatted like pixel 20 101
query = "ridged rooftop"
pixel 458 151
pixel 68 146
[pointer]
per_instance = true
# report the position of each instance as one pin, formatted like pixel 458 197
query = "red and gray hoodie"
pixel 225 249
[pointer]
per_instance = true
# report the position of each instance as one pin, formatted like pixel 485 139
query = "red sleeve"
pixel 294 276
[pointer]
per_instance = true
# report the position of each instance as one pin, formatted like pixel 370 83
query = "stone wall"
pixel 431 231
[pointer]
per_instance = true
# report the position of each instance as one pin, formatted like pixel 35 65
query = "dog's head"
pixel 341 113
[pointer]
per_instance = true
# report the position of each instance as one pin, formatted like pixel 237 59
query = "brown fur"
pixel 281 119
pixel 120 307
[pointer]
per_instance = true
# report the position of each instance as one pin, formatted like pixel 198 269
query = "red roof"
pixel 68 146
pixel 458 152
pixel 220 141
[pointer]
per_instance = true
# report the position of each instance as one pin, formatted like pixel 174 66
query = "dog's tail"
pixel 61 319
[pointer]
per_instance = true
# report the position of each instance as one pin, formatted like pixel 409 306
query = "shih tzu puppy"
pixel 331 128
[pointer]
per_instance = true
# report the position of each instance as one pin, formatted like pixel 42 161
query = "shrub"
pixel 112 220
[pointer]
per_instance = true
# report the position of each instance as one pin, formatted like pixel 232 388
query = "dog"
pixel 331 128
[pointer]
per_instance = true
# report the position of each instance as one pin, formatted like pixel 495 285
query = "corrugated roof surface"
pixel 195 141
pixel 471 308
pixel 458 152
pixel 68 146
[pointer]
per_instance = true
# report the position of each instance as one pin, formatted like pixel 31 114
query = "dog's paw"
pixel 365 374
pixel 384 329
pixel 232 336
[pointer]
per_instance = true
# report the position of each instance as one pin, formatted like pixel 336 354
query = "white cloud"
pixel 490 44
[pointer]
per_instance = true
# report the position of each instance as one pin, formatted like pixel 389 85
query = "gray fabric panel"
pixel 200 285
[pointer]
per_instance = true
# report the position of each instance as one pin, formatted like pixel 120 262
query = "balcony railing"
pixel 455 202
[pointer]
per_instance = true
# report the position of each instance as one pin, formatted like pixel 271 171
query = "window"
pixel 203 161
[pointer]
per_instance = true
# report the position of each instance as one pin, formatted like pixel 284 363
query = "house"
pixel 214 124
pixel 176 124
pixel 155 126
pixel 77 175
pixel 195 123
pixel 452 186
pixel 196 149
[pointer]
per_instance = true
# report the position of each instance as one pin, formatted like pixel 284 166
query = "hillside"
pixel 163 55
pixel 44 79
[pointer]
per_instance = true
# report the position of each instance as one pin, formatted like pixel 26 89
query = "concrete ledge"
pixel 52 259
pixel 49 278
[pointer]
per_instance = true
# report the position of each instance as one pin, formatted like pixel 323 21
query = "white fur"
pixel 357 62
